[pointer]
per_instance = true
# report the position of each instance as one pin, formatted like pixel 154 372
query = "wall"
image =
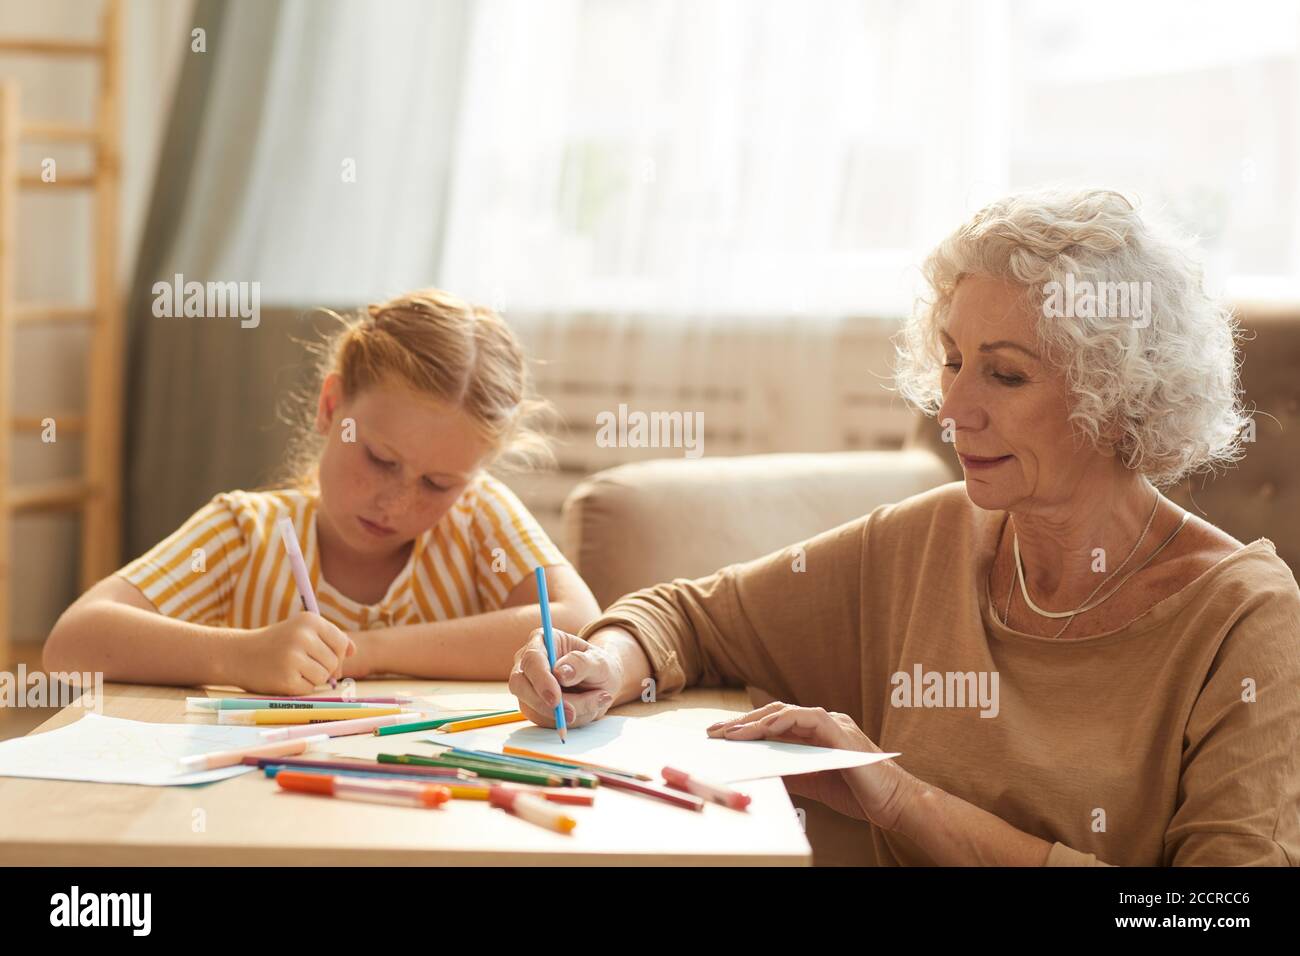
pixel 55 253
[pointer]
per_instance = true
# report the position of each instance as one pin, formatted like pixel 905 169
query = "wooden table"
pixel 248 821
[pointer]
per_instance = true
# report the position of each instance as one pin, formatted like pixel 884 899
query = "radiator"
pixel 785 385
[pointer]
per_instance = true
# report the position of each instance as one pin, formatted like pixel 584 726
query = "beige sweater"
pixel 1134 747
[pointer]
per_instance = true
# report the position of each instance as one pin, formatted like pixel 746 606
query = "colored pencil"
pixel 687 800
pixel 337 728
pixel 463 786
pixel 509 717
pixel 481 769
pixel 586 764
pixel 490 767
pixel 306 763
pixel 548 637
pixel 431 724
pixel 585 778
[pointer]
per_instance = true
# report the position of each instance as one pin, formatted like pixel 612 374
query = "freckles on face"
pixel 408 461
pixel 1008 407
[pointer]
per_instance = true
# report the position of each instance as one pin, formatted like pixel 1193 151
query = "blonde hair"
pixel 1166 395
pixel 440 346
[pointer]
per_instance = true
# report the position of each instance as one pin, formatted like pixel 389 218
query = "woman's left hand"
pixel 877 792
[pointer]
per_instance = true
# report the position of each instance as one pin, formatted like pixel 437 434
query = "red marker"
pixel 681 780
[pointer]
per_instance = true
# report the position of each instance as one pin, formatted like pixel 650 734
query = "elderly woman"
pixel 1141 668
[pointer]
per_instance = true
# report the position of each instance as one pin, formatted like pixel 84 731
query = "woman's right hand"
pixel 589 677
pixel 291 657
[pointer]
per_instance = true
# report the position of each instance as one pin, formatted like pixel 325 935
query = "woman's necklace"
pixel 1086 606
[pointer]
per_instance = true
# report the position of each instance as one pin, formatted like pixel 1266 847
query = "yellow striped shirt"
pixel 226 566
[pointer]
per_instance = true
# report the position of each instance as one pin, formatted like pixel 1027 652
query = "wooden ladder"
pixel 97 492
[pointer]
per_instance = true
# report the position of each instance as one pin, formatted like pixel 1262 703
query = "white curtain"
pixel 763 158
pixel 779 157
pixel 728 178
pixel 322 171
pixel 756 158
pixel 731 178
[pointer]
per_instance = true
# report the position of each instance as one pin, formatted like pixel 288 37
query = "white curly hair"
pixel 1164 393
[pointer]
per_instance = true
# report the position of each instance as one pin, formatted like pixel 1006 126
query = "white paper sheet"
pixel 112 750
pixel 468 703
pixel 648 744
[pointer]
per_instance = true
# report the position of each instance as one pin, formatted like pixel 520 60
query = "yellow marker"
pixel 296 716
pixel 466 793
pixel 476 722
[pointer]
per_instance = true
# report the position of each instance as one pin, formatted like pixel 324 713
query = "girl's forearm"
pixel 141 647
pixel 480 647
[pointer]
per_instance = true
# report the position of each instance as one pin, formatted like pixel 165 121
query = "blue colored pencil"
pixel 549 636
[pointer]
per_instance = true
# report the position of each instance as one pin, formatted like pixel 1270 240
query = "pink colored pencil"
pixel 338 728
pixel 341 700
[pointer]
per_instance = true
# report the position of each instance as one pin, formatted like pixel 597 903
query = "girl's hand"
pixel 292 657
pixel 362 662
pixel 589 675
pixel 877 792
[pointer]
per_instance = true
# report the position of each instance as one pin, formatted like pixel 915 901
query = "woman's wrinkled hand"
pixel 588 677
pixel 877 792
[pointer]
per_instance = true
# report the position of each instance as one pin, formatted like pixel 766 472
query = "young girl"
pixel 421 562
